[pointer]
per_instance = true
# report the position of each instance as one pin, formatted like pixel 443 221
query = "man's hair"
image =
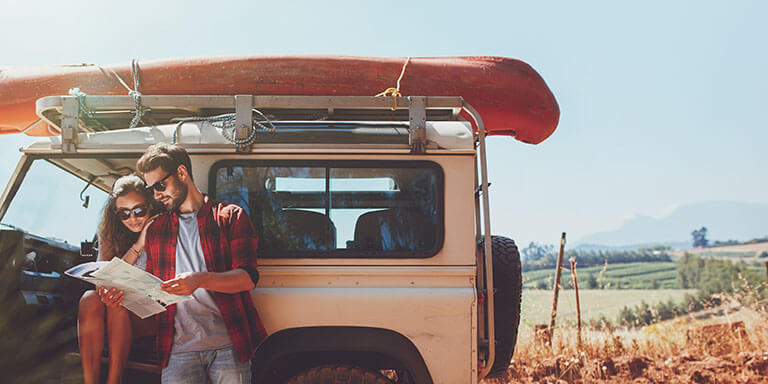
pixel 166 156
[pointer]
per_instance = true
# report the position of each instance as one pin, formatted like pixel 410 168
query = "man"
pixel 206 249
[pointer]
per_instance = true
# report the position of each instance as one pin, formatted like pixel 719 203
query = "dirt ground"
pixel 728 346
pixel 745 367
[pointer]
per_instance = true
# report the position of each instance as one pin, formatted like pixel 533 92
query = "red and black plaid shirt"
pixel 228 241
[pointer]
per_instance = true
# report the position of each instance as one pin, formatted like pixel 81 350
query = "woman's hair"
pixel 114 237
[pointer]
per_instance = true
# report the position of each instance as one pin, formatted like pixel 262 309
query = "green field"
pixel 745 255
pixel 660 275
pixel 537 304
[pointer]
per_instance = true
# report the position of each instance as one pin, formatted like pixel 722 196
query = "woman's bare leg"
pixel 119 333
pixel 90 335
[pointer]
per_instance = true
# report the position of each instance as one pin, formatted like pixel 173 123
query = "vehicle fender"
pixel 327 342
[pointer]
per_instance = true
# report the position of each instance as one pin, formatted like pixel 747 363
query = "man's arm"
pixel 243 243
pixel 234 281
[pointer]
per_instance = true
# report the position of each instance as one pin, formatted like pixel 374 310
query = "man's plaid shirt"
pixel 228 241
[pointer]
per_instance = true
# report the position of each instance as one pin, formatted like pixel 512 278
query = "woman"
pixel 122 230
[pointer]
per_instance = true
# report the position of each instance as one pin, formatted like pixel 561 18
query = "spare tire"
pixel 508 284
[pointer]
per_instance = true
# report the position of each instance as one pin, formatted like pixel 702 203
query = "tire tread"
pixel 338 374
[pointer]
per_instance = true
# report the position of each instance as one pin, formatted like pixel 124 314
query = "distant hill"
pixel 724 220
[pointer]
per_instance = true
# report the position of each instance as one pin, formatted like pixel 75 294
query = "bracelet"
pixel 138 253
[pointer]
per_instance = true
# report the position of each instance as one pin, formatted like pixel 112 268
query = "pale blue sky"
pixel 661 102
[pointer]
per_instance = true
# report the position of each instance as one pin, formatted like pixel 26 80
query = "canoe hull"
pixel 508 94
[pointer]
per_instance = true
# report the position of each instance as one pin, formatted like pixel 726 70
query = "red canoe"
pixel 508 94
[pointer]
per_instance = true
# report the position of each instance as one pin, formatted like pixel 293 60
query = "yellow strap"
pixel 395 92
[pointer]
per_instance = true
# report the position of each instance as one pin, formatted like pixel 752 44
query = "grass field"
pixel 662 275
pixel 746 252
pixel 537 304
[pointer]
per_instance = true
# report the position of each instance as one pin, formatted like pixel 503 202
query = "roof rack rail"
pixel 103 113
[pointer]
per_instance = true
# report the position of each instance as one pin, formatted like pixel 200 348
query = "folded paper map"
pixel 143 295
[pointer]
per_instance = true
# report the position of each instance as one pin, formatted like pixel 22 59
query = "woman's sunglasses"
pixel 124 214
pixel 160 185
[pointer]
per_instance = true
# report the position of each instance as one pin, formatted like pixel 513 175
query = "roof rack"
pixel 92 113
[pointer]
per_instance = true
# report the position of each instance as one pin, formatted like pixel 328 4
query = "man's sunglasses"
pixel 124 214
pixel 160 185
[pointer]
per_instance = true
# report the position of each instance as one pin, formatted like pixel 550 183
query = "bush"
pixel 591 258
pixel 712 276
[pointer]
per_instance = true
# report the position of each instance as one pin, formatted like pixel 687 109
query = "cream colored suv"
pixel 373 224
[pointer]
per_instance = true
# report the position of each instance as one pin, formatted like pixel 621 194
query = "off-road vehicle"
pixel 376 256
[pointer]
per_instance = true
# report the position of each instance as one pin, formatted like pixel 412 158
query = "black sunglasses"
pixel 124 214
pixel 160 185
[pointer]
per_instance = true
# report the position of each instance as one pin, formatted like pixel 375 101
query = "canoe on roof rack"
pixel 510 96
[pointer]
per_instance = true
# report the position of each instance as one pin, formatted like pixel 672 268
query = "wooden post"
pixel 578 305
pixel 541 335
pixel 558 274
pixel 766 269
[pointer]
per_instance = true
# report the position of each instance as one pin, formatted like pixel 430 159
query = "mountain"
pixel 725 220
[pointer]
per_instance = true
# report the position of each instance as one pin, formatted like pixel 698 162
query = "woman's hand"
pixel 143 235
pixel 110 297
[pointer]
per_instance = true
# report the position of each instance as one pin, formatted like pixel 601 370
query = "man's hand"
pixel 110 297
pixel 183 284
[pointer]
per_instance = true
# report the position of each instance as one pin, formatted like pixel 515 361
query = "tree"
pixel 592 281
pixel 700 237
pixel 689 270
pixel 536 252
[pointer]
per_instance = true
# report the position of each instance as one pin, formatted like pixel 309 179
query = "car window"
pixel 49 204
pixel 337 209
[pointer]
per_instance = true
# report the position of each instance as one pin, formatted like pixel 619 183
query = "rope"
pixel 395 92
pixel 83 110
pixel 226 123
pixel 115 75
pixel 139 111
pixel 25 130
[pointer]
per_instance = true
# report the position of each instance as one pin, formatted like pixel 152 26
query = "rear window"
pixel 323 209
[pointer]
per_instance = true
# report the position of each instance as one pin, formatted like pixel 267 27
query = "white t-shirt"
pixel 198 323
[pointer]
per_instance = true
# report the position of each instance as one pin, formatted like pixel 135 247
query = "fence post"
pixel 766 269
pixel 578 305
pixel 558 274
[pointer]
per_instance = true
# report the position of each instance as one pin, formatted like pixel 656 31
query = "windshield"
pixel 48 204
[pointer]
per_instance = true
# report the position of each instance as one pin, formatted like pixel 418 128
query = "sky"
pixel 661 102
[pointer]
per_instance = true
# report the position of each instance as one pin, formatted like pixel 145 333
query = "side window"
pixel 338 209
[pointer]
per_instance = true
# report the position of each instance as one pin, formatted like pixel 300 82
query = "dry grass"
pixel 660 353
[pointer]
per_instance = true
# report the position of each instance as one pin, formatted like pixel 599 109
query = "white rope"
pixel 25 130
pixel 139 110
pixel 226 123
pixel 115 75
